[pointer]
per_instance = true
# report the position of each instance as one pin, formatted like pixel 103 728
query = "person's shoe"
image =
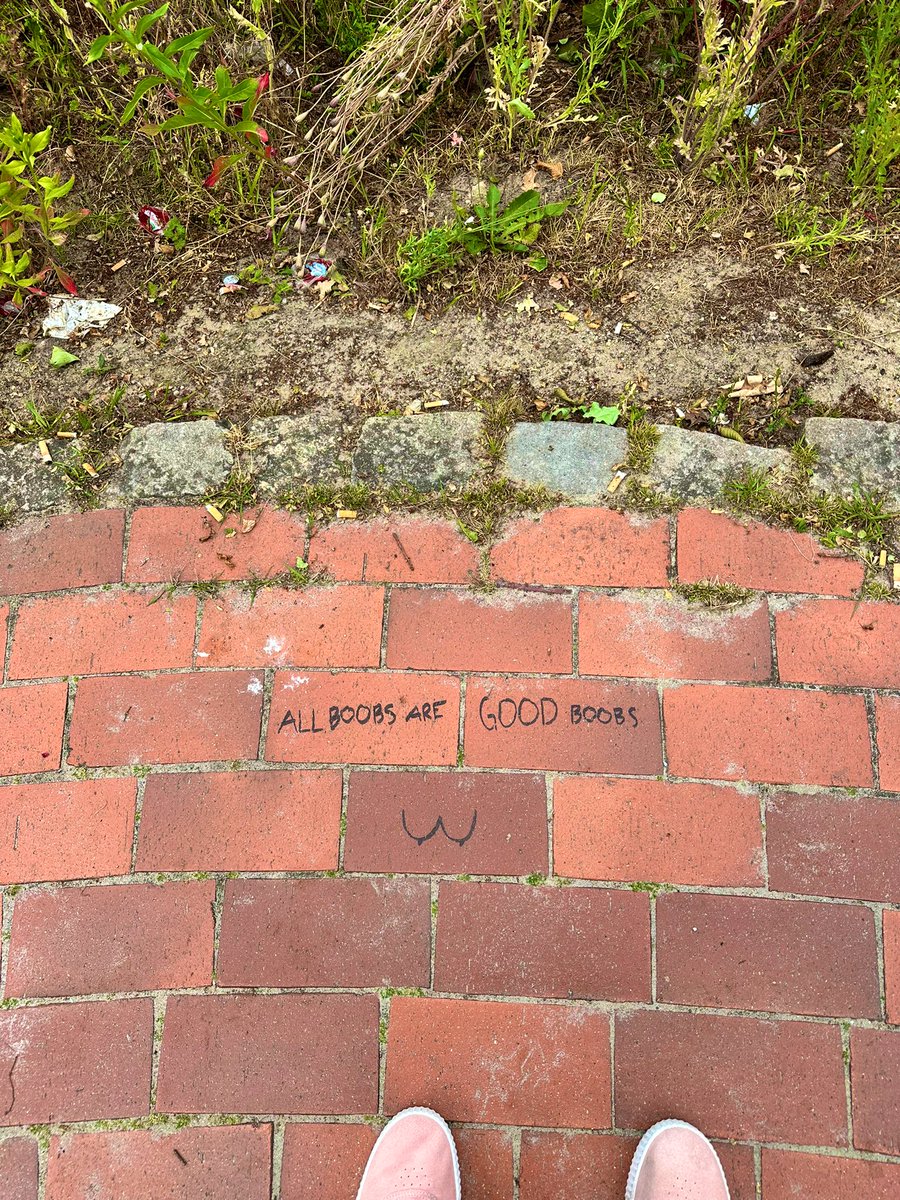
pixel 413 1159
pixel 674 1161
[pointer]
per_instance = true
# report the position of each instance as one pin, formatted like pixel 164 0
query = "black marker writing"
pixel 439 824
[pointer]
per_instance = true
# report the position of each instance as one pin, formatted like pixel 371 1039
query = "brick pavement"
pixel 559 858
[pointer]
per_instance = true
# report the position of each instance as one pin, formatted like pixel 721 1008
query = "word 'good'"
pixel 507 712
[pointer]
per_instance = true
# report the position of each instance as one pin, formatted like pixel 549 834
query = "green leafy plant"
pixel 594 413
pixel 491 226
pixel 516 52
pixel 876 139
pixel 199 106
pixel 723 80
pixel 810 231
pixel 28 213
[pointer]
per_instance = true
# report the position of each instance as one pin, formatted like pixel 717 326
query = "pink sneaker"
pixel 674 1161
pixel 413 1159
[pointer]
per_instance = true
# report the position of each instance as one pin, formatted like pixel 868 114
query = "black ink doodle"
pixel 439 824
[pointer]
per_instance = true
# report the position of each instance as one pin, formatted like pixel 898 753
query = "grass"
pixel 710 593
pixel 861 523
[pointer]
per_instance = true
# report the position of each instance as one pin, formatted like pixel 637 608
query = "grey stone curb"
pixel 184 461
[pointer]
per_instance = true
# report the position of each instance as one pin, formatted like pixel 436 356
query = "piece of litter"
pixel 61 358
pixel 347 514
pixel 315 270
pixel 897 577
pixel 89 470
pixel 614 483
pixel 751 112
pixel 255 311
pixel 65 433
pixel 215 513
pixel 44 451
pixel 618 328
pixel 154 220
pixel 436 404
pixel 71 317
pixel 882 559
pixel 119 265
pixel 658 198
pixel 834 149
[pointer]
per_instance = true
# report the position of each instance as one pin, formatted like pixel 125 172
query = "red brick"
pixel 485 1163
pixel 887 722
pixel 570 1166
pixel 713 546
pixel 326 1162
pixel 166 719
pixel 543 725
pixel 839 642
pixel 767 735
pixel 892 963
pixel 225 1163
pixel 241 821
pixel 269 1054
pixel 359 933
pixel 186 544
pixel 589 546
pixel 431 630
pixel 648 636
pixel 824 846
pixel 396 550
pixel 875 1085
pixel 66 830
pixel 771 955
pixel 76 1062
pixel 133 937
pixel 495 1063
pixel 790 1175
pixel 501 819
pixel 635 830
pixel 504 939
pixel 100 633
pixel 19 1168
pixel 317 627
pixel 323 1162
pixel 303 706
pixel 733 1077
pixel 31 727
pixel 50 553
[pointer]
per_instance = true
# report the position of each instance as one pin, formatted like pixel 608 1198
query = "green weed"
pixel 29 220
pixel 876 139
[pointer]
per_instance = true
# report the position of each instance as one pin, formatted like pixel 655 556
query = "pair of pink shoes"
pixel 415 1159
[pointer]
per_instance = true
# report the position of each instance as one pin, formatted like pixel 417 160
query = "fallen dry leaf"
pixel 528 179
pixel 255 311
pixel 555 169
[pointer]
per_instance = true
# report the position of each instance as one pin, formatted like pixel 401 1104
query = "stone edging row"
pixel 184 461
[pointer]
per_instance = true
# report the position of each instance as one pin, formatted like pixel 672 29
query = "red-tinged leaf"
pixel 261 84
pixel 217 168
pixel 66 280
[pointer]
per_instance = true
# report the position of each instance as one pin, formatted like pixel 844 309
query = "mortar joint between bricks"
pixel 218 905
pixel 662 731
pixel 71 695
pixel 461 732
pixel 516 1160
pixel 278 1126
pixel 126 538
pixel 265 711
pixel 199 611
pixel 872 722
pixel 159 1017
pixel 757 1170
pixel 342 826
pixel 653 962
pixel 385 617
pixel 576 613
pixel 773 641
pixel 138 812
pixel 880 965
pixel 848 1091
pixel 12 603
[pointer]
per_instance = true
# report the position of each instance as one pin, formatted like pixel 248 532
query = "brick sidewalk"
pixel 599 856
